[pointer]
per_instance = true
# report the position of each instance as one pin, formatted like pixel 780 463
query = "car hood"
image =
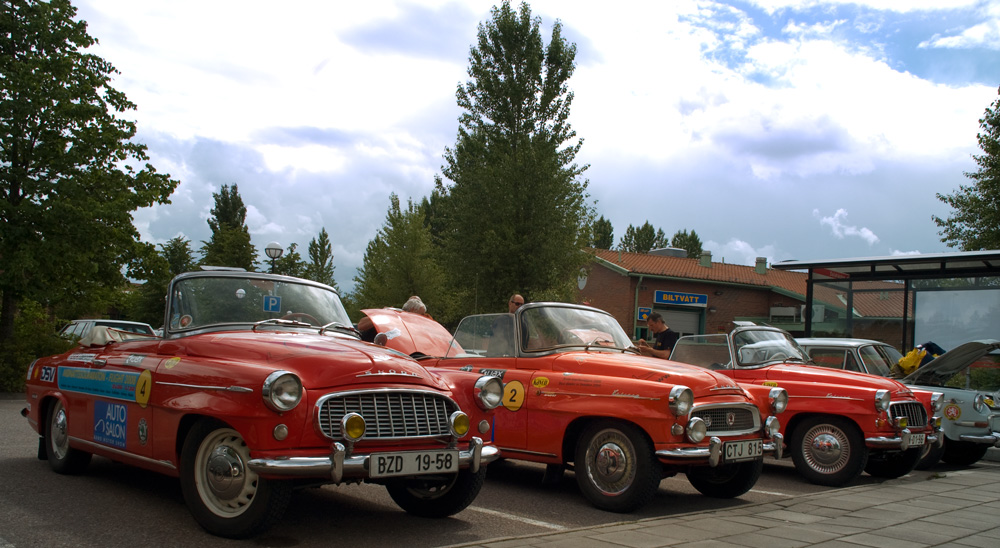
pixel 410 333
pixel 797 373
pixel 947 365
pixel 607 364
pixel 319 361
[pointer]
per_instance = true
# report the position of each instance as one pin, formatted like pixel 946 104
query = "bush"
pixel 35 335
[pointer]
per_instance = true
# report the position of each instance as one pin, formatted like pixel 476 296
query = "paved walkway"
pixel 955 508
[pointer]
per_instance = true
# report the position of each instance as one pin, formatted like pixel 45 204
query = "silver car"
pixel 971 414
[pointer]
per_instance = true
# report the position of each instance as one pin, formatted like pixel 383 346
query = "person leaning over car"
pixel 664 338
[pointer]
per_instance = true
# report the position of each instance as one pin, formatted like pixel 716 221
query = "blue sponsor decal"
pixel 109 384
pixel 110 423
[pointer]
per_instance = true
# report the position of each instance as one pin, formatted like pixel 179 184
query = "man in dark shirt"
pixel 664 338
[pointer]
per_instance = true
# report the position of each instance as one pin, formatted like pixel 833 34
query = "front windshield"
pixel 760 346
pixel 707 351
pixel 200 302
pixel 549 327
pixel 879 360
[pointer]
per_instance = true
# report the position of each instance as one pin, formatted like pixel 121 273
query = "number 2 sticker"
pixel 513 395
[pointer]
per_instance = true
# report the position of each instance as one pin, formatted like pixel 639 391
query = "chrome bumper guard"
pixel 901 442
pixel 992 439
pixel 339 466
pixel 714 451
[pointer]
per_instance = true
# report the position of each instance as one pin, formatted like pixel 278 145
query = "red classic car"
pixel 576 392
pixel 261 384
pixel 838 423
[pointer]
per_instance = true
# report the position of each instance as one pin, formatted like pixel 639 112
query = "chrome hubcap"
pixel 611 463
pixel 226 473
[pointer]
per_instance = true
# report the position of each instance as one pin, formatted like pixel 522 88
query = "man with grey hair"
pixel 415 305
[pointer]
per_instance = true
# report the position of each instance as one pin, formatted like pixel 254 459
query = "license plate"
pixel 735 451
pixel 917 440
pixel 412 463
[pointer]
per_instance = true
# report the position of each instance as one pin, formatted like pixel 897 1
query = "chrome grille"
pixel 388 414
pixel 914 412
pixel 744 418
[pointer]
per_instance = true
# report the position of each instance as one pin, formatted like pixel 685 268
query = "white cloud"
pixel 841 230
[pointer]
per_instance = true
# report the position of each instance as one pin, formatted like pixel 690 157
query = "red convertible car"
pixel 838 423
pixel 260 384
pixel 577 393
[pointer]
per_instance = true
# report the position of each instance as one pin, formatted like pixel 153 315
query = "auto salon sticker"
pixel 109 384
pixel 110 423
pixel 952 412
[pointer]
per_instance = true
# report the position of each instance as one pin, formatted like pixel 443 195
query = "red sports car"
pixel 261 384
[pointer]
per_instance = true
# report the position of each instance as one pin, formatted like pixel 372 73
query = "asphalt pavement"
pixel 959 508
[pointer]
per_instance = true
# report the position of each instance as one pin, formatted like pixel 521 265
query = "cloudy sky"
pixel 786 129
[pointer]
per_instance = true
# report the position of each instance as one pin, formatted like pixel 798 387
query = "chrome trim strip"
pixel 340 466
pixel 240 389
pixel 104 448
pixel 629 396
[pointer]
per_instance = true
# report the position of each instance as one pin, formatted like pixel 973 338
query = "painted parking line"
pixel 775 493
pixel 514 517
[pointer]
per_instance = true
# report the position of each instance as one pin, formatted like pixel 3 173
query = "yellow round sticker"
pixel 540 382
pixel 513 395
pixel 143 388
pixel 169 364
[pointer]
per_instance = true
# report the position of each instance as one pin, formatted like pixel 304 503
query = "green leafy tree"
pixel 290 263
pixel 516 216
pixel 643 239
pixel 602 234
pixel 320 266
pixel 974 225
pixel 70 172
pixel 230 242
pixel 688 241
pixel 399 262
pixel 147 303
pixel 177 252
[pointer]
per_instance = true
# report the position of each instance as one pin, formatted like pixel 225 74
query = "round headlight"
pixel 696 430
pixel 282 391
pixel 937 402
pixel 979 403
pixel 459 424
pixel 772 427
pixel 489 392
pixel 352 426
pixel 779 400
pixel 680 401
pixel 882 400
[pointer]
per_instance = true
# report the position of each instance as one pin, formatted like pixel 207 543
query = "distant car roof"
pixel 814 341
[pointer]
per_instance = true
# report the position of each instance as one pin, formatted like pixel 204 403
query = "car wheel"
pixel 437 496
pixel 62 458
pixel 726 481
pixel 963 453
pixel 616 468
pixel 828 450
pixel 226 497
pixel 883 464
pixel 930 455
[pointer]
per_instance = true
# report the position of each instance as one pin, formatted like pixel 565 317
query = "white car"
pixel 971 413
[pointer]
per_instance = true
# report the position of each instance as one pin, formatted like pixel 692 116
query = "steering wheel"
pixel 779 356
pixel 301 315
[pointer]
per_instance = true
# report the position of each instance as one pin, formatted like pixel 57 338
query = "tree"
pixel 516 215
pixel 602 234
pixel 643 239
pixel 148 304
pixel 399 263
pixel 320 267
pixel 230 242
pixel 689 242
pixel 975 223
pixel 70 172
pixel 290 263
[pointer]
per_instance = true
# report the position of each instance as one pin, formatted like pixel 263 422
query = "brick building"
pixel 698 295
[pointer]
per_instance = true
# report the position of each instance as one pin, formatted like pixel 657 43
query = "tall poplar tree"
pixel 230 242
pixel 602 234
pixel 320 266
pixel 974 225
pixel 516 213
pixel 71 174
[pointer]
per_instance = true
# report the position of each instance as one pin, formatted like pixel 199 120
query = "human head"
pixel 415 305
pixel 655 323
pixel 514 302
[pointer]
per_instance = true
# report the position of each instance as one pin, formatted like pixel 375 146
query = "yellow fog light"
pixel 902 422
pixel 459 424
pixel 352 426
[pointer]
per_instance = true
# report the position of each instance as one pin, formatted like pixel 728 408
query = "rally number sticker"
pixel 513 395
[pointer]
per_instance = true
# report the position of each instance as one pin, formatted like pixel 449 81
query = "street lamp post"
pixel 274 251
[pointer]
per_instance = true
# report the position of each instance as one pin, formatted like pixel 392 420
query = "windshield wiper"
pixel 340 326
pixel 279 321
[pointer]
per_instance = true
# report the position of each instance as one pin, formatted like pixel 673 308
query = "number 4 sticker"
pixel 143 387
pixel 513 395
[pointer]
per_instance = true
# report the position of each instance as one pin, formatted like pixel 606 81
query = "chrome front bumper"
pixel 714 451
pixel 340 466
pixel 992 439
pixel 902 441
